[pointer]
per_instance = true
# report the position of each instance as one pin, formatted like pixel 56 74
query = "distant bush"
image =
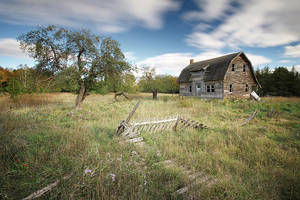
pixel 14 88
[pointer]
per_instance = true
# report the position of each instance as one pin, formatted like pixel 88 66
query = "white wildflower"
pixel 88 171
pixel 113 177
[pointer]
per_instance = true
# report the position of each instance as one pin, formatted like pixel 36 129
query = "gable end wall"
pixel 238 79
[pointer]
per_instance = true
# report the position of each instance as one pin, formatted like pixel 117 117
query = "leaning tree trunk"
pixel 154 92
pixel 119 94
pixel 81 96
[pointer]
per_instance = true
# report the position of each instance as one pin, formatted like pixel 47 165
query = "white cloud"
pixel 292 51
pixel 10 47
pixel 297 68
pixel 209 10
pixel 130 56
pixel 284 61
pixel 203 41
pixel 258 59
pixel 255 23
pixel 106 16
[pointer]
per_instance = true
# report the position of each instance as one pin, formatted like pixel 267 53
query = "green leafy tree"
pixel 167 84
pixel 280 82
pixel 14 88
pixel 66 80
pixel 89 56
pixel 149 82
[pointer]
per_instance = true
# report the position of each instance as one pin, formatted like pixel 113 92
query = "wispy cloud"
pixel 130 56
pixel 284 61
pixel 258 60
pixel 292 51
pixel 296 67
pixel 210 10
pixel 105 16
pixel 253 23
pixel 10 47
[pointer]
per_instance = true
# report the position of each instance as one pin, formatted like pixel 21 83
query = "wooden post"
pixel 123 123
pixel 176 123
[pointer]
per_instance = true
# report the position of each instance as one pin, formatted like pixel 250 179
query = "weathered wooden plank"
pixel 123 124
pixel 44 190
pixel 155 122
pixel 134 140
pixel 132 112
pixel 249 118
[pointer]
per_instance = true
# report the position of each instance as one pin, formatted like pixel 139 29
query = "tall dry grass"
pixel 42 139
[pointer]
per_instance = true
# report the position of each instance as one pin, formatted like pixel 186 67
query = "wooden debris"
pixel 254 96
pixel 209 181
pixel 249 118
pixel 191 123
pixel 134 140
pixel 272 113
pixel 44 190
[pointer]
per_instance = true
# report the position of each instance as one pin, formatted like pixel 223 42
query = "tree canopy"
pixel 86 56
pixel 150 82
pixel 279 82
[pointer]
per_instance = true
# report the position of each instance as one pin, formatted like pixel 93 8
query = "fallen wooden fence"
pixel 132 130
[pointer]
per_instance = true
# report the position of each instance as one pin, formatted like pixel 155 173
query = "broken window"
pixel 246 88
pixel 230 88
pixel 190 88
pixel 232 67
pixel 208 88
pixel 212 88
pixel 244 68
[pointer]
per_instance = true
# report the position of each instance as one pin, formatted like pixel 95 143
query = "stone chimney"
pixel 191 61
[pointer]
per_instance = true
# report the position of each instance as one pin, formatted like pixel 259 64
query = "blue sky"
pixel 165 34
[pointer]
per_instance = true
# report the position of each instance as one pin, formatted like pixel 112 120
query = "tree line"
pixel 28 80
pixel 73 61
pixel 82 62
pixel 278 82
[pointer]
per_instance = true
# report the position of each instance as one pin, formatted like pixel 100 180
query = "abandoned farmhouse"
pixel 231 75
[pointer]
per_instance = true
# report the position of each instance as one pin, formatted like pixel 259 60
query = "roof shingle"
pixel 215 68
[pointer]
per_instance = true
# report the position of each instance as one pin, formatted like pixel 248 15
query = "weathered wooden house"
pixel 231 75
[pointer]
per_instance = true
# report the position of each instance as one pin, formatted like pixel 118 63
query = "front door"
pixel 198 89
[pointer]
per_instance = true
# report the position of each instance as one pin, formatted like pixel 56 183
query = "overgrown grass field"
pixel 43 139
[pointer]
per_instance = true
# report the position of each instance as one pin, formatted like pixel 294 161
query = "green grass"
pixel 42 139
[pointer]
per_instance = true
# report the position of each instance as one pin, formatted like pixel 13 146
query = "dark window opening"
pixel 244 68
pixel 208 88
pixel 232 68
pixel 212 88
pixel 230 88
pixel 246 88
pixel 190 88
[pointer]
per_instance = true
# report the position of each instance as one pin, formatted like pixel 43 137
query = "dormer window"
pixel 244 68
pixel 232 67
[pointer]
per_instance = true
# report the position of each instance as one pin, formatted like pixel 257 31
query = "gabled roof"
pixel 215 69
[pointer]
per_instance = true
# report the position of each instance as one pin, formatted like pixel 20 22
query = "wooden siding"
pixel 184 89
pixel 238 78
